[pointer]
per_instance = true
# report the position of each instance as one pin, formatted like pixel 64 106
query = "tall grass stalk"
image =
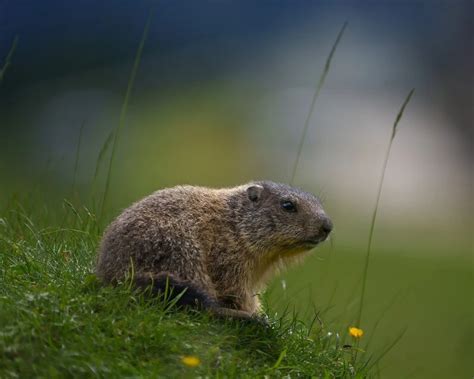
pixel 76 160
pixel 374 214
pixel 98 162
pixel 374 361
pixel 320 84
pixel 8 59
pixel 123 111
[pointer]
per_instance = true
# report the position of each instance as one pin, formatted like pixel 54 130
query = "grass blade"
pixel 76 161
pixel 322 78
pixel 101 156
pixel 8 59
pixel 279 360
pixel 123 111
pixel 387 349
pixel 374 214
pixel 380 318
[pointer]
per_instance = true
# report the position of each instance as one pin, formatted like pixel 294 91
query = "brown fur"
pixel 226 242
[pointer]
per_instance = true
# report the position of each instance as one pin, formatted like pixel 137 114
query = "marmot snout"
pixel 219 245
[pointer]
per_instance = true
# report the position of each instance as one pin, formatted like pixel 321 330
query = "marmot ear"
pixel 254 192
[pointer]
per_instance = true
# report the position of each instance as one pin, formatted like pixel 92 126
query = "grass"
pixel 124 109
pixel 376 207
pixel 58 321
pixel 319 86
pixel 76 160
pixel 364 277
pixel 421 297
pixel 8 60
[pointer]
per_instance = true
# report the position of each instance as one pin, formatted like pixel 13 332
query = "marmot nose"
pixel 326 226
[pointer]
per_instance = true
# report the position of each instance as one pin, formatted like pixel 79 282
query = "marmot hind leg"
pixel 165 284
pixel 191 295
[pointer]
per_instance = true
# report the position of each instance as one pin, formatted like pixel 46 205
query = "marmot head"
pixel 277 218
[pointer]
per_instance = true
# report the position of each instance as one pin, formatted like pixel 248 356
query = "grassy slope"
pixel 56 320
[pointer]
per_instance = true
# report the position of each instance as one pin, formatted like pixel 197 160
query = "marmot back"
pixel 219 245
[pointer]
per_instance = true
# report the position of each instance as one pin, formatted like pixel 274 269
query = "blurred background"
pixel 220 98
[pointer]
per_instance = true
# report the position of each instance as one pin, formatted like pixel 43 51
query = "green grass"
pixel 319 86
pixel 56 320
pixel 8 60
pixel 376 207
pixel 123 111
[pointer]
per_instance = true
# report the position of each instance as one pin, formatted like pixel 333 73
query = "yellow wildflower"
pixel 356 332
pixel 190 361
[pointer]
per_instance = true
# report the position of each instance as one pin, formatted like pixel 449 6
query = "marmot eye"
pixel 288 206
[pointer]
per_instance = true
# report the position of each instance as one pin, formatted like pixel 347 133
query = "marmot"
pixel 220 246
